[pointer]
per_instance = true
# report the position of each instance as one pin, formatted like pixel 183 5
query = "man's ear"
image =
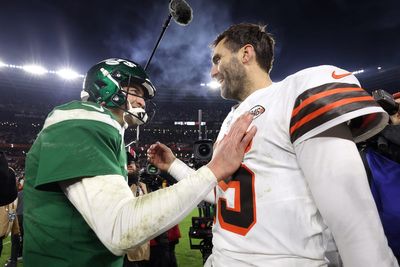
pixel 248 53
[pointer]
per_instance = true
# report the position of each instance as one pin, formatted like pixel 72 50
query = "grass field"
pixel 5 255
pixel 185 256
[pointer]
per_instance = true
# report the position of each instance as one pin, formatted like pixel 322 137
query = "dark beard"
pixel 235 80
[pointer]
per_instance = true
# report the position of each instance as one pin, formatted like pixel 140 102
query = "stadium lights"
pixel 68 74
pixel 213 85
pixel 358 72
pixel 35 69
pixel 65 73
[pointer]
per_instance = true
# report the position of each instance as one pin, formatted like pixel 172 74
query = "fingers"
pixel 249 136
pixel 154 147
pixel 152 150
pixel 159 151
pixel 215 144
pixel 240 126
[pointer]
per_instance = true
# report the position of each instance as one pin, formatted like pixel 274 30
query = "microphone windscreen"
pixel 181 12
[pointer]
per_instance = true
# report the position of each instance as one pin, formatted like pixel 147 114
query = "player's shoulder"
pixel 81 105
pixel 314 69
pixel 324 74
pixel 81 113
pixel 68 105
pixel 318 79
pixel 321 69
pixel 326 96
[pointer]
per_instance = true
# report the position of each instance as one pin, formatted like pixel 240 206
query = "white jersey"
pixel 266 215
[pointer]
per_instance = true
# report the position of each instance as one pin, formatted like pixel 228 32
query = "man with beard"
pixel 79 209
pixel 301 173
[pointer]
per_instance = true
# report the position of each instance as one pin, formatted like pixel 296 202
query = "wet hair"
pixel 238 35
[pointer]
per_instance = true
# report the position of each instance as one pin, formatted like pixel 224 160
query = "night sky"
pixel 349 34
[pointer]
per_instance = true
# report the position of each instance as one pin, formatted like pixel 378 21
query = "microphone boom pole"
pixel 165 26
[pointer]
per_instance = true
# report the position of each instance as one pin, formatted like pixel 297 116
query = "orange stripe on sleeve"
pixel 327 108
pixel 315 97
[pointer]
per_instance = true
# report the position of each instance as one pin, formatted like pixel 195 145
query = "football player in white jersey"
pixel 302 172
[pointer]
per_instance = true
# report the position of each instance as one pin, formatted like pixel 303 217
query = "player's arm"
pixel 163 158
pixel 122 221
pixel 179 170
pixel 338 182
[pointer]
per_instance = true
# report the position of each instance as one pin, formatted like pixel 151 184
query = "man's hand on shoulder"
pixel 228 152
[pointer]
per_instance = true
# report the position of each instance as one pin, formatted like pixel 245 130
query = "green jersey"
pixel 78 139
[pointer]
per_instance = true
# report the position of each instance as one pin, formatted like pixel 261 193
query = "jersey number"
pixel 242 217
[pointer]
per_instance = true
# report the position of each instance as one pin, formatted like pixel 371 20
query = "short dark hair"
pixel 238 35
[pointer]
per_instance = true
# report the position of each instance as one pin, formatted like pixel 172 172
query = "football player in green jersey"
pixel 79 208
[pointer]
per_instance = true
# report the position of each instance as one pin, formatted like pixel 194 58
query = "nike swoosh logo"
pixel 340 76
pixel 101 109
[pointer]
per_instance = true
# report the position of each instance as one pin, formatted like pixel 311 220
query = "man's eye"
pixel 216 60
pixel 134 91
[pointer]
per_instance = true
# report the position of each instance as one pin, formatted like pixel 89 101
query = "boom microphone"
pixel 180 11
pixel 182 14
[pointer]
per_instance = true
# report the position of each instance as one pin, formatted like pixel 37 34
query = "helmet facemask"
pixel 105 82
pixel 137 115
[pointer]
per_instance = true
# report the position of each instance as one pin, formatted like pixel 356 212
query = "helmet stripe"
pixel 108 75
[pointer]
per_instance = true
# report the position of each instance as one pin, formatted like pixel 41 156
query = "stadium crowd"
pixel 21 121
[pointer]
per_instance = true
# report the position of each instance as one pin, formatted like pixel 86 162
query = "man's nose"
pixel 214 71
pixel 140 102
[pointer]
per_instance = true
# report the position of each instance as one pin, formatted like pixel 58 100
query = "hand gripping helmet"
pixel 104 83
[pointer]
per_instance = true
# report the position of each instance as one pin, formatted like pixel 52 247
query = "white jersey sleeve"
pixel 122 221
pixel 326 96
pixel 338 182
